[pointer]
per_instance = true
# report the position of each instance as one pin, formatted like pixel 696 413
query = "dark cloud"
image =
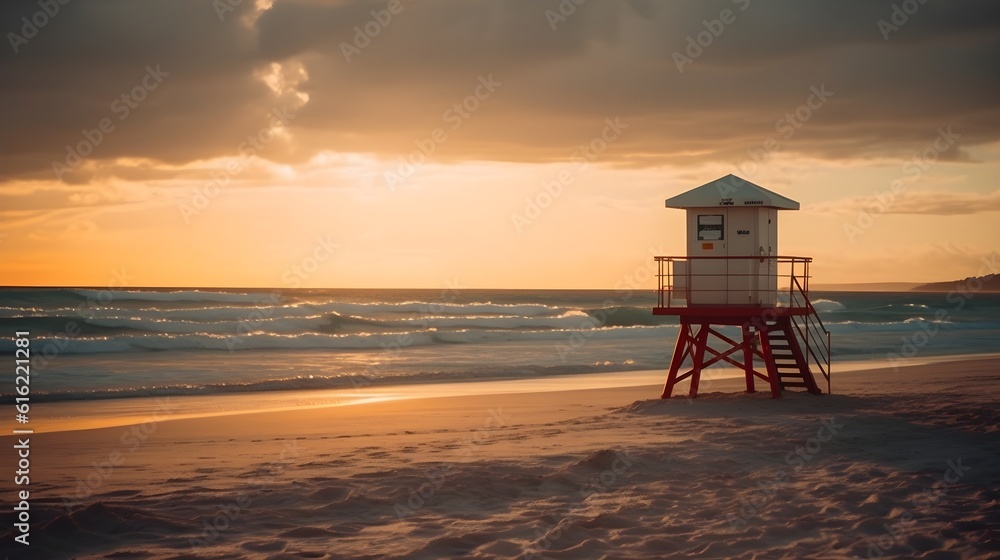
pixel 558 85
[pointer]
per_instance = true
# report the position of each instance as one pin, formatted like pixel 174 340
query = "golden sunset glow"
pixel 523 151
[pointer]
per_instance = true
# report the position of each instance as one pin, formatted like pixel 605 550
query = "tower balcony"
pixel 720 287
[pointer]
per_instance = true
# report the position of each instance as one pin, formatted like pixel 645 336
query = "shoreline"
pixel 67 416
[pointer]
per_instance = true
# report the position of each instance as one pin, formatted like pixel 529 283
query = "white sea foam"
pixel 107 296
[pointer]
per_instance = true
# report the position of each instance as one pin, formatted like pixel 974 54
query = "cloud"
pixel 604 60
pixel 936 203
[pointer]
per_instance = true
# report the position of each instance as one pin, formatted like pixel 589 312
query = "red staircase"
pixel 788 360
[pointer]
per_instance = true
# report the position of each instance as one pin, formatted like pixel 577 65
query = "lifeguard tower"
pixel 732 276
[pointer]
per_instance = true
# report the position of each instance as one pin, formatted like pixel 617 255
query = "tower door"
pixel 743 242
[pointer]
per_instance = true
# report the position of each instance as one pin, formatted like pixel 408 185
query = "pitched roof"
pixel 731 191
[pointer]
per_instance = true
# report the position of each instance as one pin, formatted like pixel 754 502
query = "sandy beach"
pixel 894 464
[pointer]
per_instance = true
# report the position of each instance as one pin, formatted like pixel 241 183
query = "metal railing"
pixel 813 336
pixel 751 280
pixel 754 281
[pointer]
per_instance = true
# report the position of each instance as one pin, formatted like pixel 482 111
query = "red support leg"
pixel 680 349
pixel 698 357
pixel 748 344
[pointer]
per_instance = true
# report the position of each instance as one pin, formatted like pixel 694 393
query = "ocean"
pixel 99 344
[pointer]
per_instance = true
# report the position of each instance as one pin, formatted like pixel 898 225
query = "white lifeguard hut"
pixel 732 276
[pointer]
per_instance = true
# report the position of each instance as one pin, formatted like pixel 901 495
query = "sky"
pixel 487 144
